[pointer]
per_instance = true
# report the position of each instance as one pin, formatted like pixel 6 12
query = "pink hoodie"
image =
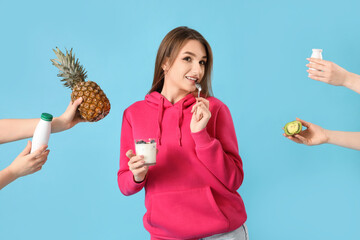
pixel 191 192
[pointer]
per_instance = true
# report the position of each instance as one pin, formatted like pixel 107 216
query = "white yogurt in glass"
pixel 147 148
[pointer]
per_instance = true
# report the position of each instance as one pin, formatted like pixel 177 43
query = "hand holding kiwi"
pixel 293 128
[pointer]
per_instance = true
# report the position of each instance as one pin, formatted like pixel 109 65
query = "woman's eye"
pixel 202 63
pixel 188 59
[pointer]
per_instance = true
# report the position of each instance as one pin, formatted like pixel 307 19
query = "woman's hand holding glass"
pixel 137 166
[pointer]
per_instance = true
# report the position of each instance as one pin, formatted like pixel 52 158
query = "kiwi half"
pixel 292 128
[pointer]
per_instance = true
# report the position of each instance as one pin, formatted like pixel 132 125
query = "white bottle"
pixel 316 53
pixel 42 132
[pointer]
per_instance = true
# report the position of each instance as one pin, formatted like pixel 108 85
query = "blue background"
pixel 260 48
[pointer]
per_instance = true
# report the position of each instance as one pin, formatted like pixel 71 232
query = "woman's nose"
pixel 197 69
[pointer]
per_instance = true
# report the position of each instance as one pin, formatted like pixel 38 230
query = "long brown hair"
pixel 169 49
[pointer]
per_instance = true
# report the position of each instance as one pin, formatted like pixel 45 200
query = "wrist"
pixel 350 79
pixel 138 179
pixel 327 134
pixel 58 125
pixel 201 138
pixel 196 130
pixel 12 173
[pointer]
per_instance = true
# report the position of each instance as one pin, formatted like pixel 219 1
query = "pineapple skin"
pixel 95 105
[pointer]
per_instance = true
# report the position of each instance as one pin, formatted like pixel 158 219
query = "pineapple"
pixel 95 105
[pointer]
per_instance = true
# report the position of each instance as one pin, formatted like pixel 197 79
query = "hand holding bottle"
pixel 26 163
pixel 328 72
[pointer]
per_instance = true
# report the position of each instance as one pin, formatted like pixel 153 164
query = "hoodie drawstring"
pixel 180 119
pixel 160 117
pixel 159 100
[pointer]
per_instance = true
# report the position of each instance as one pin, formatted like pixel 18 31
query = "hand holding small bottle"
pixel 26 163
pixel 327 72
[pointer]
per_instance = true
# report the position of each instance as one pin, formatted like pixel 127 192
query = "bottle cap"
pixel 46 117
pixel 317 50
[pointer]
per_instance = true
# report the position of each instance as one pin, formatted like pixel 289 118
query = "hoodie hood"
pixel 156 100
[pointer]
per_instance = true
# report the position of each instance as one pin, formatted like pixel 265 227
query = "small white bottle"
pixel 42 132
pixel 316 53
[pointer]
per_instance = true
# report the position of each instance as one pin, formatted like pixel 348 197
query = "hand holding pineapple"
pixel 69 118
pixel 95 105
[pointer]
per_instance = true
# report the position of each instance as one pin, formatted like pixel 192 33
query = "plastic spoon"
pixel 198 86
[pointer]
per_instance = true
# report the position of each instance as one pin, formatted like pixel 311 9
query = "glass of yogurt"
pixel 147 148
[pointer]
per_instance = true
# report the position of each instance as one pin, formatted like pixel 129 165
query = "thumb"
pixel 27 149
pixel 39 150
pixel 77 102
pixel 130 154
pixel 304 123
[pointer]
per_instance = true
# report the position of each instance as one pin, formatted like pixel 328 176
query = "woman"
pixel 191 192
pixel 333 74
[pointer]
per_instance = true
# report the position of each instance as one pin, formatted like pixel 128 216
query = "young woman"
pixel 191 192
pixel 16 129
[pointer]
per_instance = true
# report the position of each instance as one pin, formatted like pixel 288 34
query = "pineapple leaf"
pixel 69 67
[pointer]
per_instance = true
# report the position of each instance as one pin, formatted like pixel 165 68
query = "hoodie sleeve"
pixel 221 154
pixel 126 181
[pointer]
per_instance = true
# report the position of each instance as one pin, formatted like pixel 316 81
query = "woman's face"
pixel 188 67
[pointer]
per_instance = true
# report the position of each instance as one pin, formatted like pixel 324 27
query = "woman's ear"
pixel 165 66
